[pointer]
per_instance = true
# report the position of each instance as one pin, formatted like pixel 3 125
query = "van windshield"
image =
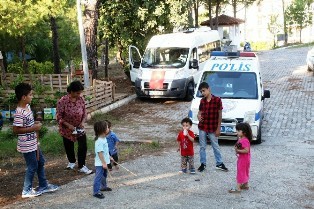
pixel 173 57
pixel 232 85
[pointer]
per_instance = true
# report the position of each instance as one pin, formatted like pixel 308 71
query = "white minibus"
pixel 172 63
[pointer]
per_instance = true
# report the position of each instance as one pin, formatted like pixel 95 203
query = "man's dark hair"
pixel 186 120
pixel 203 85
pixel 75 86
pixel 22 89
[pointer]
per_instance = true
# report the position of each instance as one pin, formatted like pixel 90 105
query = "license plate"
pixel 154 93
pixel 226 129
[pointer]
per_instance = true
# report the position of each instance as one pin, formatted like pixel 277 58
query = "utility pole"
pixel 83 45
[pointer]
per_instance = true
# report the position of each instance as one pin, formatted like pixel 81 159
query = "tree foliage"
pixel 298 15
pixel 134 22
pixel 25 27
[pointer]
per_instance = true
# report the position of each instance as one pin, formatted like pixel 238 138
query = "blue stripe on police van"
pixel 258 115
pixel 190 114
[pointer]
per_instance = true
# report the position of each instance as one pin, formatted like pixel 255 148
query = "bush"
pixel 40 68
pixel 16 68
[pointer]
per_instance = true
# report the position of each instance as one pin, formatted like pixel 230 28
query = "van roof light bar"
pixel 232 54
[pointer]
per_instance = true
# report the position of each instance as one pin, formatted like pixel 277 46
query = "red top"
pixel 186 144
pixel 210 114
pixel 73 113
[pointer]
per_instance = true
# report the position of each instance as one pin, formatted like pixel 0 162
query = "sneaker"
pixel 202 167
pixel 182 171
pixel 47 189
pixel 99 195
pixel 107 189
pixel 221 167
pixel 192 171
pixel 85 170
pixel 30 193
pixel 70 166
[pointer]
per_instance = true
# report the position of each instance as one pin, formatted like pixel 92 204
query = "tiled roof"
pixel 224 20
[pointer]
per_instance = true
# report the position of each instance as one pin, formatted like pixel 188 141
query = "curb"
pixel 113 106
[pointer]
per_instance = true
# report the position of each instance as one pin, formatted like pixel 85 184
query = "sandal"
pixel 245 187
pixel 234 191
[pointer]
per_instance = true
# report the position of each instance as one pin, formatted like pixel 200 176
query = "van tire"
pixel 189 92
pixel 259 136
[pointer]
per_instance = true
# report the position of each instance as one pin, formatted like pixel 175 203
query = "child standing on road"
pixel 113 142
pixel 185 141
pixel 26 129
pixel 243 152
pixel 102 158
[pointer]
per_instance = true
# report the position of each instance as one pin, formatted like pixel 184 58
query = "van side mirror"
pixel 266 94
pixel 194 64
pixel 136 64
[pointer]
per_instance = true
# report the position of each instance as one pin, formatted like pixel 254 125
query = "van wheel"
pixel 189 92
pixel 259 136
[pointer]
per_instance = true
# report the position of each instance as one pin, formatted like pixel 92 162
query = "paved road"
pixel 282 169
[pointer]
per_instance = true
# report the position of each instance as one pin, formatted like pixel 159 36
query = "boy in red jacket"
pixel 185 141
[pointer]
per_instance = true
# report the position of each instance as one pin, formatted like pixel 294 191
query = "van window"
pixel 235 85
pixel 205 50
pixel 173 57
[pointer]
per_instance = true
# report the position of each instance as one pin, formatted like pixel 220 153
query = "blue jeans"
pixel 214 142
pixel 100 180
pixel 34 166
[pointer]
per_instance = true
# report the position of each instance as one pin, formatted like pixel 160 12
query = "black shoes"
pixel 221 167
pixel 99 195
pixel 202 167
pixel 107 189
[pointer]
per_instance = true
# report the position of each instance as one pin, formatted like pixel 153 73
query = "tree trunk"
pixel 91 15
pixel 284 22
pixel 234 6
pixel 217 11
pixel 196 4
pixel 106 59
pixel 211 24
pixel 119 53
pixel 55 46
pixel 24 63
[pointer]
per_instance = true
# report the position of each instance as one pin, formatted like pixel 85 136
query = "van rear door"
pixel 135 62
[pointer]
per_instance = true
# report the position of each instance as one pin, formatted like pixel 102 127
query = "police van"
pixel 172 63
pixel 234 77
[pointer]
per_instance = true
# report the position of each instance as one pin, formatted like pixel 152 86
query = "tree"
pixel 126 23
pixel 91 16
pixel 274 27
pixel 246 3
pixel 18 19
pixel 298 15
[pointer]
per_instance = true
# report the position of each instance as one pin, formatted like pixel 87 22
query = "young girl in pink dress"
pixel 243 152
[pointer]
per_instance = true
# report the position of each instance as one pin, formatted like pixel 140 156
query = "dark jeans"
pixel 115 158
pixel 81 150
pixel 34 166
pixel 100 181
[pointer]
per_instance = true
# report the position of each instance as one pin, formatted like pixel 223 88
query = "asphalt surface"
pixel 282 169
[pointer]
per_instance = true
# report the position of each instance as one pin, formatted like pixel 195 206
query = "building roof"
pixel 224 20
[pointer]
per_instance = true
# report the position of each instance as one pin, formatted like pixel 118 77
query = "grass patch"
pixel 51 144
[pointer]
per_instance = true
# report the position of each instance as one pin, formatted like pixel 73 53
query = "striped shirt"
pixel 24 118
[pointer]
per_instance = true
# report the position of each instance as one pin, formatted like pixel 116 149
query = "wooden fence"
pixel 98 95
